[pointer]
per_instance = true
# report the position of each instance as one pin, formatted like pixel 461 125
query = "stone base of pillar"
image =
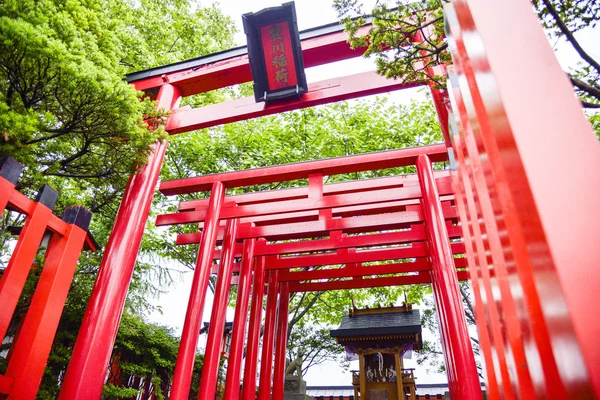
pixel 295 389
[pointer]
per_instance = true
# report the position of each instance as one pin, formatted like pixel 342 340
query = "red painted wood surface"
pixel 182 378
pixel 236 352
pixel 91 355
pixel 290 172
pixel 278 55
pixel 343 88
pixel 214 342
pixel 30 347
pixel 324 49
pixel 533 270
pixel 533 265
pixel 463 379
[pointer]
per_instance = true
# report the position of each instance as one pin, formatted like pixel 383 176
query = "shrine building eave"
pixel 378 324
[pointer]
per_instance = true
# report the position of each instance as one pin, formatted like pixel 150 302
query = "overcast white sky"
pixel 312 13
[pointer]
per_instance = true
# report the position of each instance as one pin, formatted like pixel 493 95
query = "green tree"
pixel 395 22
pixel 315 345
pixel 163 32
pixel 145 356
pixel 65 111
pixel 67 114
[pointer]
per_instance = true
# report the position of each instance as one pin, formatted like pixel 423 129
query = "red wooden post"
pixel 440 96
pixel 440 101
pixel 493 390
pixel 250 366
pixel 189 338
pixel 34 341
pixel 87 370
pixel 232 381
pixel 281 341
pixel 458 354
pixel 266 360
pixel 212 355
pixel 15 275
pixel 552 261
pixel 483 243
pixel 10 170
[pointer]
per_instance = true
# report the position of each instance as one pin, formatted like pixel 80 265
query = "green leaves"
pixel 65 110
pixel 68 115
pixel 391 37
pixel 398 53
pixel 334 130
pixel 158 32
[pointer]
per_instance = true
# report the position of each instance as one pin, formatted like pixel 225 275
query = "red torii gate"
pixel 348 213
pixel 533 270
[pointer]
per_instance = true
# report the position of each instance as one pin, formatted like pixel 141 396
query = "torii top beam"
pixel 321 45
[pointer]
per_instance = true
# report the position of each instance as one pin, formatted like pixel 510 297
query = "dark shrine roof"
pixel 389 323
pixel 227 329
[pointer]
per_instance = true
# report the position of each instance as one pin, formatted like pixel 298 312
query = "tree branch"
pixel 569 35
pixel 310 363
pixel 303 312
pixel 587 104
pixel 44 138
pixel 586 87
pixel 82 176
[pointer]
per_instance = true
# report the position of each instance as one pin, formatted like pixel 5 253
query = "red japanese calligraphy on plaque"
pixel 279 55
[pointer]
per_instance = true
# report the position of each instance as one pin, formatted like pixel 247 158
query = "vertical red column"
pixel 10 170
pixel 15 275
pixel 511 125
pixel 34 341
pixel 258 291
pixel 212 356
pixel 458 354
pixel 266 361
pixel 232 381
pixel 189 338
pixel 440 96
pixel 281 341
pixel 440 101
pixel 87 370
pixel 496 293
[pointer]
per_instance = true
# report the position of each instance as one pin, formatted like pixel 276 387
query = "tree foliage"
pixel 146 353
pixel 163 32
pixel 395 22
pixel 65 111
pixel 68 115
pixel 315 345
pixel 391 39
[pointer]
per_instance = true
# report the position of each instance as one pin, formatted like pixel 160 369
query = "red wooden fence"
pixel 31 345
pixel 527 188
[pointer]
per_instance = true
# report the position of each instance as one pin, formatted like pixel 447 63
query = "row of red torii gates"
pixel 527 227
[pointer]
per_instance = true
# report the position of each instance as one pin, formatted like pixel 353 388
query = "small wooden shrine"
pixel 380 337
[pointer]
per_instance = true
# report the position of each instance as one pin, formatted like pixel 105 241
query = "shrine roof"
pixel 381 323
pixel 226 330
